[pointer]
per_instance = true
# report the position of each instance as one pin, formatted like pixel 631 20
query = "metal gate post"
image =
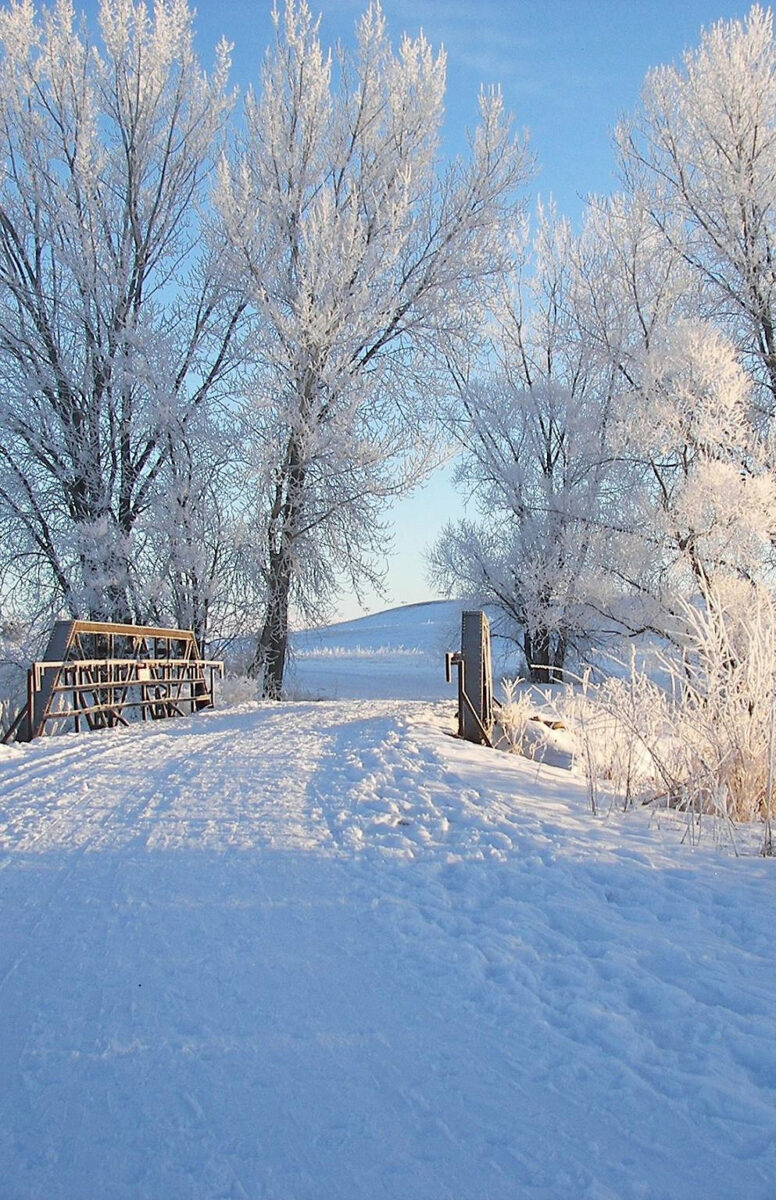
pixel 475 678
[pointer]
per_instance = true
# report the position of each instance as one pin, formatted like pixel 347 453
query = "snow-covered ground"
pixel 324 951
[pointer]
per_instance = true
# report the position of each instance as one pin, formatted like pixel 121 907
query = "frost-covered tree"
pixel 702 147
pixel 627 288
pixel 684 422
pixel 114 327
pixel 612 445
pixel 533 425
pixel 363 262
pixel 675 288
pixel 710 510
pixel 701 153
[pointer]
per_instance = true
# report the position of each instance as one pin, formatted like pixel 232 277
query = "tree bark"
pixel 272 647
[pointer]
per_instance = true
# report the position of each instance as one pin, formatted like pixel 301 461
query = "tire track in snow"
pixel 64 834
pixel 137 793
pixel 377 1008
pixel 153 788
pixel 169 785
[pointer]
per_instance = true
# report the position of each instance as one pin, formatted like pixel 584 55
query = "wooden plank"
pixel 193 665
pixel 106 627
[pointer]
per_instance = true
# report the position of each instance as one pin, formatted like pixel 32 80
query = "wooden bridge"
pixel 96 675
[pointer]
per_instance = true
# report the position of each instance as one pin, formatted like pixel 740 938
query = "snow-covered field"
pixel 323 951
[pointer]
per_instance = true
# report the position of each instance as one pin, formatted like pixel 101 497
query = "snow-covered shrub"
pixel 615 721
pixel 514 713
pixel 235 689
pixel 727 701
pixel 705 741
pixel 518 727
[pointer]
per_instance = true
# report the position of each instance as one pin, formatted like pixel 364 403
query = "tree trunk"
pixel 272 646
pixel 536 646
pixel 559 659
pixel 544 655
pixel 115 606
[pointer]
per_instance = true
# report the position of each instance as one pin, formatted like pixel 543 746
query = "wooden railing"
pixel 96 675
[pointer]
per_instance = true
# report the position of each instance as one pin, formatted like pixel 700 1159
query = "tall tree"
pixel 624 439
pixel 690 261
pixel 362 260
pixel 628 287
pixel 684 426
pixel 114 327
pixel 533 422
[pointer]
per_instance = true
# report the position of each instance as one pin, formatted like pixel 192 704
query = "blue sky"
pixel 569 69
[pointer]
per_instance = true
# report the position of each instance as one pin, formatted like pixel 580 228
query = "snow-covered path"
pixel 320 951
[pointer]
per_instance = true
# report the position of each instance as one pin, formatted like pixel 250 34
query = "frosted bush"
pixel 236 689
pixel 517 728
pixel 615 722
pixel 705 741
pixel 513 715
pixel 725 710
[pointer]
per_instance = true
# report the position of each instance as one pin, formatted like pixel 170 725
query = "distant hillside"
pixel 396 654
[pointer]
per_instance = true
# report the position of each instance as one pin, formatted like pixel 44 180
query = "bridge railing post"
pixel 475 678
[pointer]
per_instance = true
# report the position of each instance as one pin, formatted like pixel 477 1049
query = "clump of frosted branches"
pixel 616 721
pixel 236 689
pixel 514 713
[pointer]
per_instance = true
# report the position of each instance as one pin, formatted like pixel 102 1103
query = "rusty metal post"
pixel 475 678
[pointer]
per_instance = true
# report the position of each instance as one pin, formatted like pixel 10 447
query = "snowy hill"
pixel 325 951
pixel 389 655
